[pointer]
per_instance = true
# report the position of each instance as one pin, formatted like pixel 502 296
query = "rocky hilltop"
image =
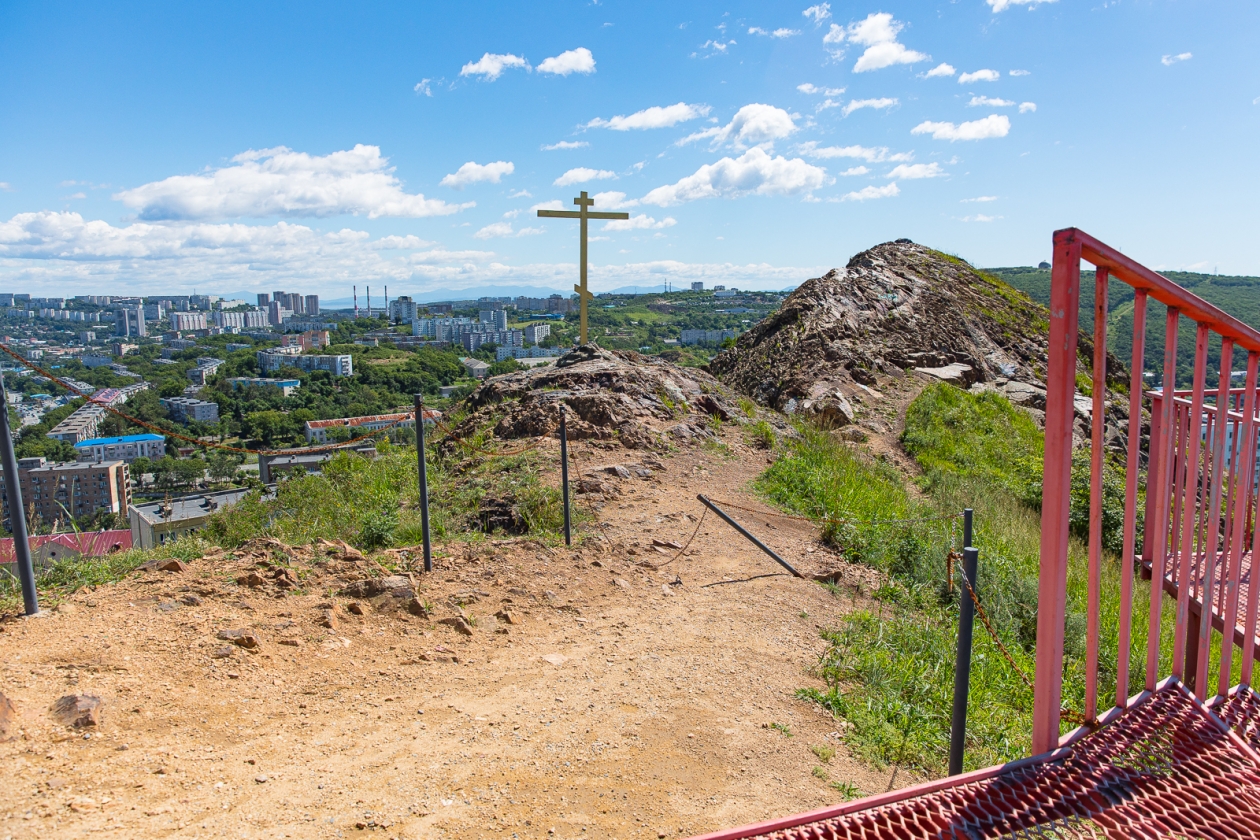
pixel 896 307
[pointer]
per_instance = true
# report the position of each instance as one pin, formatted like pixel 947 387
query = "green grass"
pixel 889 670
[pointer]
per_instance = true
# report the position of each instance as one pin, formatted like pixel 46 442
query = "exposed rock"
pixel 190 600
pixel 371 587
pixel 252 579
pixel 500 514
pixel 241 638
pixel 459 624
pixel 327 619
pixel 956 374
pixel 82 711
pixel 621 396
pixel 507 617
pixel 355 608
pixel 897 306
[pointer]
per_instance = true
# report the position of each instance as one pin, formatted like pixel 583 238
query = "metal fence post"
pixel 424 484
pixel 962 665
pixel 17 514
pixel 564 475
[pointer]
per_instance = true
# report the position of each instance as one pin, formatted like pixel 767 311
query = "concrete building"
pixel 286 386
pixel 272 467
pixel 264 300
pixel 697 286
pixel 181 321
pixel 95 360
pixel 184 409
pixel 250 319
pixel 476 368
pixel 278 314
pixel 122 348
pixel 275 358
pixel 205 369
pixel 311 305
pixel 126 448
pixel 309 340
pixel 79 426
pixel 58 492
pixel 535 333
pixel 495 319
pixel 160 522
pixel 317 430
pixel 129 322
pixel 402 310
pixel 706 336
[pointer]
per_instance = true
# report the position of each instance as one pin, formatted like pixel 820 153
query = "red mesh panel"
pixel 1162 769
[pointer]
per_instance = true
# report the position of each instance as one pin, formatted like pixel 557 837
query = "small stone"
pixel 66 608
pixel 191 600
pixel 262 780
pixel 222 653
pixel 8 718
pixel 556 659
pixel 253 579
pixel 78 710
pixel 291 642
pixel 665 590
pixel 172 565
pixel 168 606
pixel 416 607
pixel 459 624
pixel 355 608
pixel 508 617
pixel 622 582
pixel 232 675
pixel 328 619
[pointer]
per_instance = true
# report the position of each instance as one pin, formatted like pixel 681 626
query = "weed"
pixel 761 435
pixel 804 614
pixel 820 773
pixel 846 789
pixel 824 752
pixel 782 727
pixel 748 407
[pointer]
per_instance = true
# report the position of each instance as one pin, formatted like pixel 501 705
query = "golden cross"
pixel 583 202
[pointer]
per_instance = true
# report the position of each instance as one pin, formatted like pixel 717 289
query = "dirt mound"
pixel 641 401
pixel 895 307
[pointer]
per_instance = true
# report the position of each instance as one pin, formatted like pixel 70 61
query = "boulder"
pixel 81 711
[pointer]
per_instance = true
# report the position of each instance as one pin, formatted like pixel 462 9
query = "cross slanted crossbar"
pixel 584 203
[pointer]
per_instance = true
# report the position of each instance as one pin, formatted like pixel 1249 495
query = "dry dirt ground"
pixel 624 701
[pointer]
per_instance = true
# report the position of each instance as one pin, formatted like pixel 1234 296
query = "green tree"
pixel 268 426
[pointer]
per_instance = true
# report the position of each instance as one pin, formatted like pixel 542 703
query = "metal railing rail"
pixel 1200 505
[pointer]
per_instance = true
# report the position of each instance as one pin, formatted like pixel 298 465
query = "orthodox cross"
pixel 583 202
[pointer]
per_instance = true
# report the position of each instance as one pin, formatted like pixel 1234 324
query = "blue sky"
pixel 249 147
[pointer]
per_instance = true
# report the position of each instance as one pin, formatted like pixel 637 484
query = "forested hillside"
pixel 1239 296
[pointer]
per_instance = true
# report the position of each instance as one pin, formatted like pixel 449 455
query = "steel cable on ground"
pixel 1064 712
pixel 836 520
pixel 655 567
pixel 188 438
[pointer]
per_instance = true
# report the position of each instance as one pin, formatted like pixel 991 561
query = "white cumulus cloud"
pixel 979 217
pixel 655 117
pixel 640 222
pixel 994 125
pixel 282 182
pixel 979 76
pixel 1020 73
pixel 868 193
pixel 1025 107
pixel 835 35
pixel 554 204
pixel 582 174
pixel 753 173
pixel 877 104
pixel 570 61
pixel 1003 5
pixel 474 173
pixel 776 33
pixel 752 125
pixel 854 170
pixel 566 144
pixel 504 229
pixel 613 200
pixel 423 87
pixel 818 13
pixel 491 66
pixel 941 69
pixel 915 171
pixel 878 33
pixel 990 102
pixel 1170 60
pixel 980 199
pixel 813 89
pixel 870 154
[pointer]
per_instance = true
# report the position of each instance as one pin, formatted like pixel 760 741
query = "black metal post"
pixel 17 514
pixel 424 484
pixel 962 667
pixel 564 475
pixel 967 517
pixel 707 502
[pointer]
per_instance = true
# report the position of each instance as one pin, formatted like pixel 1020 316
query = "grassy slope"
pixel 891 672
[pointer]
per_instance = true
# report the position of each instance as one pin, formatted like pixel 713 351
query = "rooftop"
pixel 123 439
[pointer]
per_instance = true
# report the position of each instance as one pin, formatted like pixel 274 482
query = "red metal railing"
pixel 1198 534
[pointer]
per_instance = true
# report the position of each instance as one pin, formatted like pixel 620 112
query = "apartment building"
pixel 59 492
pixel 184 409
pixel 126 448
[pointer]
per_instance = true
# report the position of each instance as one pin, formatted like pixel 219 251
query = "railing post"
pixel 424 484
pixel 564 475
pixel 17 513
pixel 962 661
pixel 1065 290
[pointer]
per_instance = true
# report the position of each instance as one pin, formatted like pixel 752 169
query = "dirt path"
pixel 627 702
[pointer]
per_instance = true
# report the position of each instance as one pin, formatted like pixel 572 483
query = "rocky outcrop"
pixel 640 401
pixel 896 307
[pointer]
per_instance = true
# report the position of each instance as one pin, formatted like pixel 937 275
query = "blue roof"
pixel 123 439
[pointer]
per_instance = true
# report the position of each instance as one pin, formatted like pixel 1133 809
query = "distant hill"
pixel 1239 296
